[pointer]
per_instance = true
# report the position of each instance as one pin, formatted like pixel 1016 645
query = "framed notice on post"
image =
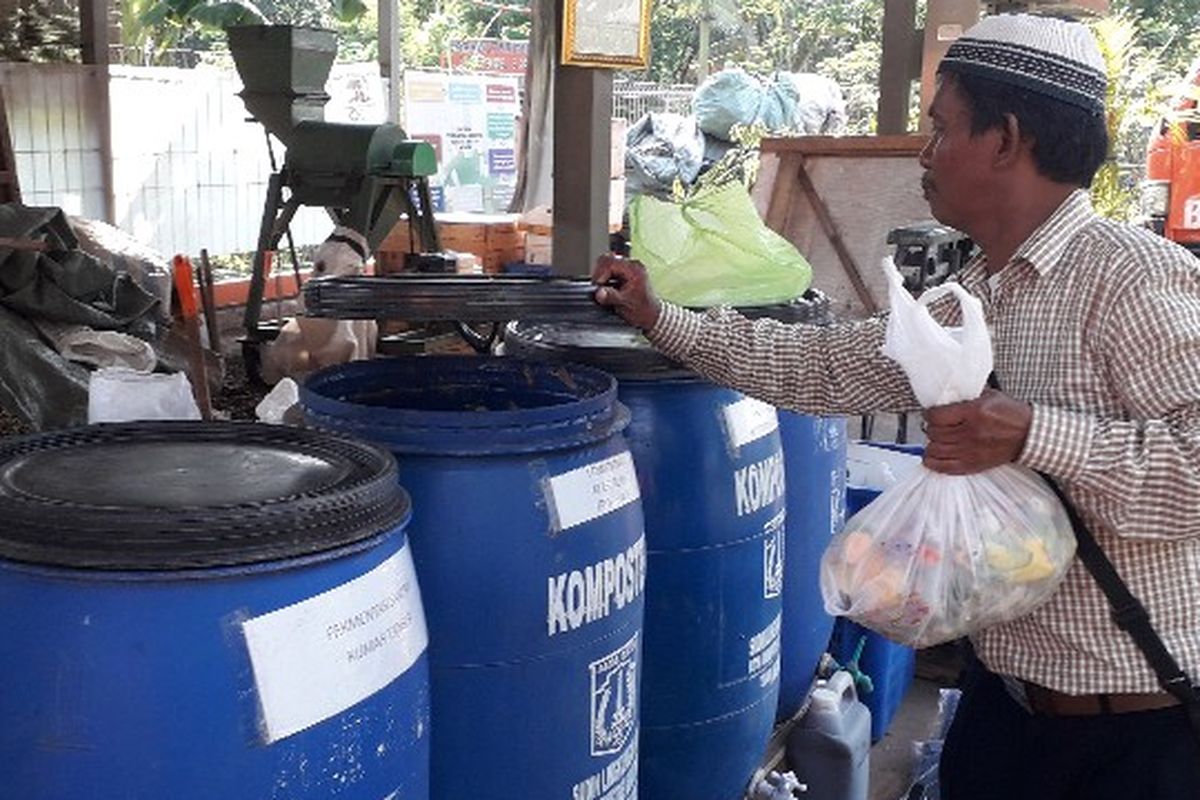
pixel 606 33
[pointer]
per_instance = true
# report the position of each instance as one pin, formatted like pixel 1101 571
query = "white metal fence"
pixel 189 171
pixel 633 99
pixel 56 135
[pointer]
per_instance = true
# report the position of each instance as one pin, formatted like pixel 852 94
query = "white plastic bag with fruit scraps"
pixel 938 556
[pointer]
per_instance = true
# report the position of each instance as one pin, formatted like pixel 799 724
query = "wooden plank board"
pixel 836 199
pixel 834 234
pixel 847 146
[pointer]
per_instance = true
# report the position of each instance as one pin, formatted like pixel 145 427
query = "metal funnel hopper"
pixel 283 70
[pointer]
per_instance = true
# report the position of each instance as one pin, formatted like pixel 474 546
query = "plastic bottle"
pixel 829 748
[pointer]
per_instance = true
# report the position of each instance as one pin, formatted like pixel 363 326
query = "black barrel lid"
pixel 621 351
pixel 462 298
pixel 624 351
pixel 179 495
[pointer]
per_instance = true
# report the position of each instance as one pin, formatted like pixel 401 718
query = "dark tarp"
pixel 38 385
pixel 59 284
pixel 63 283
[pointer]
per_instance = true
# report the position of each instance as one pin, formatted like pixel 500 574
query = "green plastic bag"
pixel 714 249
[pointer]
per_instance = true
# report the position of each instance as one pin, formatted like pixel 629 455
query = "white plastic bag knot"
pixel 943 365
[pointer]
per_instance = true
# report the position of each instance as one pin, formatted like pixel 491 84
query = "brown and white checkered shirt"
pixel 1095 323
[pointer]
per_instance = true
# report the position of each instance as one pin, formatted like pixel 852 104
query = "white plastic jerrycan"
pixel 829 749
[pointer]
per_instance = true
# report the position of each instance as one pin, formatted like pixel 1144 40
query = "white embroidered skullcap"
pixel 1049 56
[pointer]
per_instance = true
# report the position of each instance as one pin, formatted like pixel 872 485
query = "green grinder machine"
pixel 365 176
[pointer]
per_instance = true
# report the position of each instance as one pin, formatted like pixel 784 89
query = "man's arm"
pixel 835 369
pixel 815 369
pixel 1142 472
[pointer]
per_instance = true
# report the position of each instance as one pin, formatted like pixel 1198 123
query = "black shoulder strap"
pixel 1127 611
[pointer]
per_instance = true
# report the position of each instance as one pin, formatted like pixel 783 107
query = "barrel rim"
pixel 592 416
pixel 640 361
pixel 364 500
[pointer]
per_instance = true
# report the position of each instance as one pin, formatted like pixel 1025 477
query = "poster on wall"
pixel 471 122
pixel 357 94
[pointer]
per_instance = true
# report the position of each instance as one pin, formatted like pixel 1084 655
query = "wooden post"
pixel 582 141
pixel 93 31
pixel 900 65
pixel 582 163
pixel 389 55
pixel 945 21
pixel 93 27
pixel 10 186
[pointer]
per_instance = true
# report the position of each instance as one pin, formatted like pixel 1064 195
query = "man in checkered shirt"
pixel 1096 332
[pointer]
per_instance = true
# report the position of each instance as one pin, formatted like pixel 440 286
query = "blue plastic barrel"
pixel 710 467
pixel 197 611
pixel 527 533
pixel 814 450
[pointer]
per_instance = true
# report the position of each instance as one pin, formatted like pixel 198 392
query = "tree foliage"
pixel 155 26
pixel 1134 95
pixel 39 32
pixel 796 35
pixel 799 35
pixel 429 27
pixel 837 38
pixel 1166 27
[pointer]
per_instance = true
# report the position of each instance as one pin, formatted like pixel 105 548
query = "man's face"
pixel 957 165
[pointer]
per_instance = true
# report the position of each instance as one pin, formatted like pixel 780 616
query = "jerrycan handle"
pixel 840 688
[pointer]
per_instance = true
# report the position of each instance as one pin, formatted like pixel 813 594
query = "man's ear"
pixel 1013 142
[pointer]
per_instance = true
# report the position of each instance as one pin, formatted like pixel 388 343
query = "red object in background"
pixel 1171 191
pixel 497 56
pixel 185 287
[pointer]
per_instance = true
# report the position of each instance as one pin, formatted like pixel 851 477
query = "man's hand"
pixel 977 435
pixel 626 289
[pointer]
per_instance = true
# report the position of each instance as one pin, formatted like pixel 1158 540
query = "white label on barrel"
pixel 586 493
pixel 749 420
pixel 318 657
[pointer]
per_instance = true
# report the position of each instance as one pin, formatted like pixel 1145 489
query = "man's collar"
pixel 1045 246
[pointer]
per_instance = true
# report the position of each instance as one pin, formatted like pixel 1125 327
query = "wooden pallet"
pixel 835 198
pixel 10 188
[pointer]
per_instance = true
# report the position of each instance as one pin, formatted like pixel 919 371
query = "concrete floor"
pixel 892 758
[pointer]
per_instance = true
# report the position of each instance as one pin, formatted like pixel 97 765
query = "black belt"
pixel 1056 704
